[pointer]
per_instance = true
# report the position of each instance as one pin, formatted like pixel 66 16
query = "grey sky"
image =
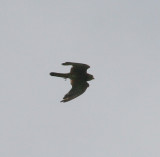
pixel 118 115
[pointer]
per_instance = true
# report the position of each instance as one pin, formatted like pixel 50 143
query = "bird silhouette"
pixel 78 76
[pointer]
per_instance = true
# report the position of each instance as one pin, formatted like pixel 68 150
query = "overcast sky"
pixel 118 115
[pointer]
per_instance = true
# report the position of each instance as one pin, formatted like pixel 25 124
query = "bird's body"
pixel 78 76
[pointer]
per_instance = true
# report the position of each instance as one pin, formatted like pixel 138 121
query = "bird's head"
pixel 90 77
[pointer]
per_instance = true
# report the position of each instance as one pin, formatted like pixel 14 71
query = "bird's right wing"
pixel 77 67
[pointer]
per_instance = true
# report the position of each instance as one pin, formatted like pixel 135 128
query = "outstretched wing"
pixel 77 67
pixel 78 88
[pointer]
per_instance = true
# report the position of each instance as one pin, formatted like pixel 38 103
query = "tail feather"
pixel 59 74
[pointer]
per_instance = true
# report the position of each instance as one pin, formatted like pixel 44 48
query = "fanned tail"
pixel 59 74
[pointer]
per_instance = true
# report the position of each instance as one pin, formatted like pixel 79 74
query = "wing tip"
pixel 66 63
pixel 64 100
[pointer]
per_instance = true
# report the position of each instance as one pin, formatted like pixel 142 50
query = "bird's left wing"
pixel 78 88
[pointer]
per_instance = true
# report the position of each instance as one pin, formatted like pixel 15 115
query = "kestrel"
pixel 78 76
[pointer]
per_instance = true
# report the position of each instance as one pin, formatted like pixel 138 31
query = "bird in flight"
pixel 78 76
